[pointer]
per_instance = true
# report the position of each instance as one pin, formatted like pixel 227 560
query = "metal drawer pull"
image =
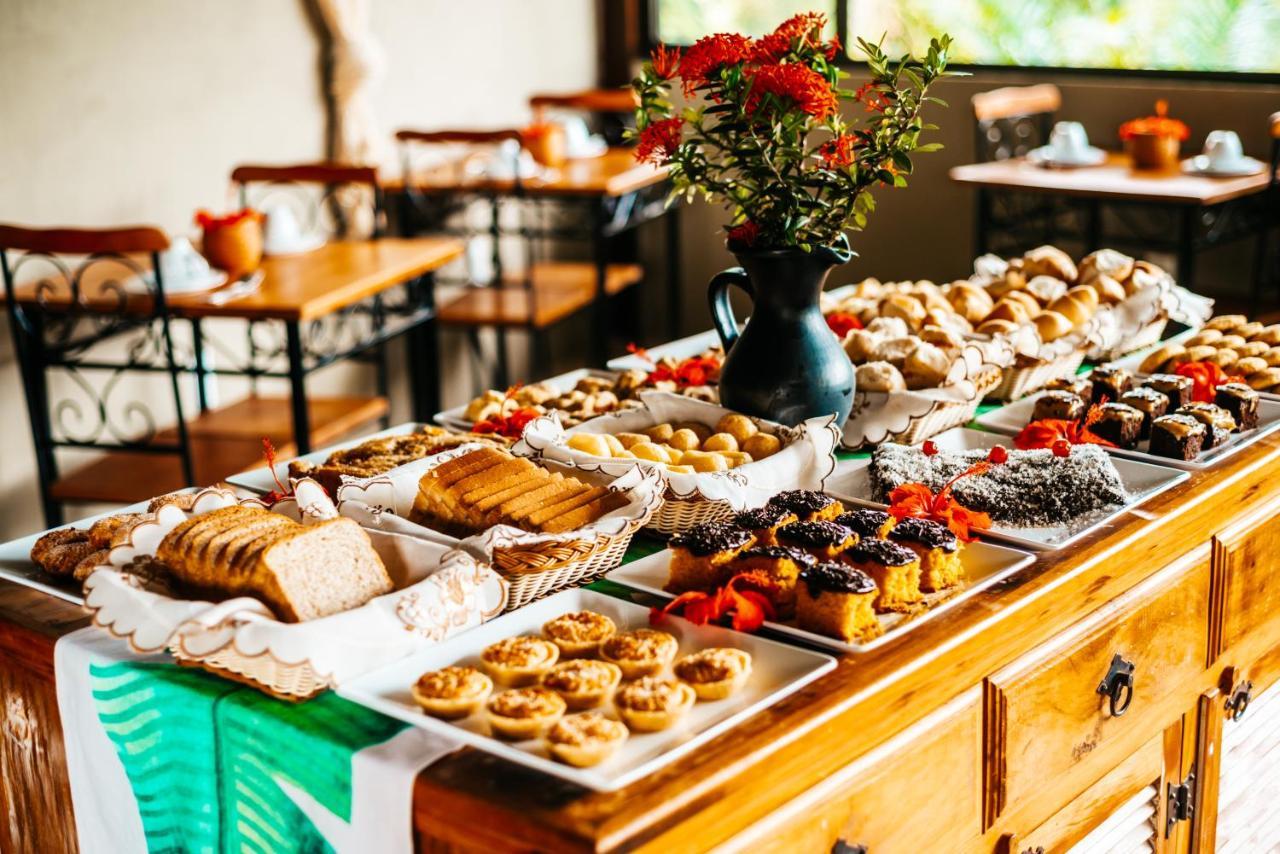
pixel 1238 703
pixel 1117 687
pixel 842 847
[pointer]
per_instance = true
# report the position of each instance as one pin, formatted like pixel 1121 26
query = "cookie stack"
pixel 1241 348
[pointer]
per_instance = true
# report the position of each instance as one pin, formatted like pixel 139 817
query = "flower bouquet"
pixel 1154 141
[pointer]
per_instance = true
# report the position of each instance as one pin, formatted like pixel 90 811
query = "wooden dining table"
pixel 1208 211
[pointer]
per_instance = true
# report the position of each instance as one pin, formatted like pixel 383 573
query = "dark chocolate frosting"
pixel 864 523
pixel 768 516
pixel 926 532
pixel 819 533
pixel 780 553
pixel 836 578
pixel 802 502
pixel 711 537
pixel 882 552
pixel 1168 381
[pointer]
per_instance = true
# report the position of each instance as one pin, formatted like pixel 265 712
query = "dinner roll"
pixel 720 442
pixel 702 431
pixel 859 344
pixel 903 306
pixel 1105 262
pixel 925 367
pixel 894 350
pixel 762 445
pixel 970 301
pixel 1046 289
pixel 1108 289
pixel 879 376
pixel 684 440
pixel 1074 309
pixel 1051 325
pixel 738 426
pixel 996 327
pixel 947 339
pixel 888 327
pixel 1049 261
pixel 1029 302
pixel 1011 310
pixel 595 444
pixel 660 432
pixel 1085 294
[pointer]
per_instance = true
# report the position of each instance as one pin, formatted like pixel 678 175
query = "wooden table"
pixel 981 730
pixel 620 194
pixel 1116 183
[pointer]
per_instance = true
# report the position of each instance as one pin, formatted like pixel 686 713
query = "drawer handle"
pixel 842 847
pixel 1117 687
pixel 1239 701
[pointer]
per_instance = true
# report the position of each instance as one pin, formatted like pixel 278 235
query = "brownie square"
pixel 1241 401
pixel 1118 423
pixel 1058 404
pixel 1176 388
pixel 1151 403
pixel 1178 437
pixel 1109 383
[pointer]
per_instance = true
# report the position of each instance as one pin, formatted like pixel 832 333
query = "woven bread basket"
pixel 1018 382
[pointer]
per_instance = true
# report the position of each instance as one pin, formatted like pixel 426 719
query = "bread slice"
pixel 214 523
pixel 217 556
pixel 585 514
pixel 318 570
pixel 572 502
pixel 522 505
pixel 484 505
pixel 487 479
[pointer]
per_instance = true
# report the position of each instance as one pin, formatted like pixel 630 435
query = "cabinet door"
pixel 1246 597
pixel 1050 729
pixel 917 792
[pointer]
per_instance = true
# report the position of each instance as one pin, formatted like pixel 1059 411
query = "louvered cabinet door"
pixel 1248 811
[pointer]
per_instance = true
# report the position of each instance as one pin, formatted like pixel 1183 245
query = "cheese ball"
pixel 720 442
pixel 762 445
pixel 740 427
pixel 684 439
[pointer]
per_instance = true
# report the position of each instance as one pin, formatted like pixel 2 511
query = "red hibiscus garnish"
pixel 746 609
pixel 916 499
pixel 842 323
pixel 930 448
pixel 1206 377
pixel 510 425
pixel 1046 432
pixel 281 491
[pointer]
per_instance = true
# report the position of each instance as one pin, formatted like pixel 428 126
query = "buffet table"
pixel 983 727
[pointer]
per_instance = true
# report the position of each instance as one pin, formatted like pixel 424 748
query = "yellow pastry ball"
pixel 591 443
pixel 684 440
pixel 738 426
pixel 650 451
pixel 629 439
pixel 680 469
pixel 705 461
pixel 720 442
pixel 660 432
pixel 762 445
pixel 624 454
pixel 702 431
pixel 736 458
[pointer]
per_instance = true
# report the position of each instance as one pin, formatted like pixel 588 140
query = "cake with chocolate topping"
pixel 1217 419
pixel 1173 386
pixel 698 553
pixel 1241 401
pixel 938 549
pixel 808 505
pixel 1109 382
pixel 1062 405
pixel 1081 387
pixel 764 522
pixel 1151 403
pixel 1118 423
pixel 1178 437
pixel 867 523
pixel 1030 488
pixel 835 600
pixel 823 539
pixel 894 568
pixel 781 565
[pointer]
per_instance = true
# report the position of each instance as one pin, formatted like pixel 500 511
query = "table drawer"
pixel 1050 732
pixel 1246 599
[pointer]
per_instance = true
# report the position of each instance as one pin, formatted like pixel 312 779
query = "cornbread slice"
pixel 698 554
pixel 894 568
pixel 938 549
pixel 836 600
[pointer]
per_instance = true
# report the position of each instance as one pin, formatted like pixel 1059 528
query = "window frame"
pixel 649 11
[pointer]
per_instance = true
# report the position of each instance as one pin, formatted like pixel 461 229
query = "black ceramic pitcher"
pixel 785 365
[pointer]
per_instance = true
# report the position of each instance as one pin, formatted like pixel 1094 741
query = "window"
pixel 685 21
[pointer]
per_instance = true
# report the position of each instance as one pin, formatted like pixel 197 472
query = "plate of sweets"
pixel 847 579
pixel 1044 498
pixel 583 687
pixel 1190 420
pixel 1237 346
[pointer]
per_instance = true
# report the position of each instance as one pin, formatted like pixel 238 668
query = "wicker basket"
pixel 1145 337
pixel 1018 382
pixel 292 682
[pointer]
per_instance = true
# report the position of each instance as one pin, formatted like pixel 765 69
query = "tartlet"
pixel 653 703
pixel 715 673
pixel 643 652
pixel 515 662
pixel 583 683
pixel 579 633
pixel 585 740
pixel 521 713
pixel 452 692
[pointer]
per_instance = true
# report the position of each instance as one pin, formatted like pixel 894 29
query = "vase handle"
pixel 718 298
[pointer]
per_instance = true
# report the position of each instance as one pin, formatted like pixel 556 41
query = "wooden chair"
pixel 613 110
pixel 533 299
pixel 1010 122
pixel 68 291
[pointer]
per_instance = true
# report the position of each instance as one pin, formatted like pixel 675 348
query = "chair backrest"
pixel 335 199
pixel 1013 120
pixel 612 110
pixel 1274 125
pixel 458 138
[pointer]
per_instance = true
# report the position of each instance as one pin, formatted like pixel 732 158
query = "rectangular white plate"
pixel 454 420
pixel 16 565
pixel 261 481
pixel 1012 418
pixel 1133 361
pixel 777 671
pixel 852 482
pixel 681 348
pixel 984 564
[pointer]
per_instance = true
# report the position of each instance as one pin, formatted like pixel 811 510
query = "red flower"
pixel 833 48
pixel 839 152
pixel 659 141
pixel 708 55
pixel 1050 432
pixel 747 609
pixel 842 323
pixel 665 61
pixel 916 499
pixel 281 491
pixel 802 30
pixel 1206 377
pixel 693 371
pixel 800 84
pixel 511 426
pixel 745 234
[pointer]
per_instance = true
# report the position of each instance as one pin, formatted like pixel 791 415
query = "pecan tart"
pixel 583 683
pixel 520 661
pixel 715 673
pixel 653 703
pixel 521 713
pixel 586 739
pixel 643 652
pixel 452 692
pixel 579 633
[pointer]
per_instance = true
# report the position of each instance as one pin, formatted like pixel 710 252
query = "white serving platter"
pixel 777 671
pixel 16 565
pixel 681 348
pixel 851 483
pixel 260 480
pixel 455 418
pixel 985 564
pixel 1012 418
pixel 1133 361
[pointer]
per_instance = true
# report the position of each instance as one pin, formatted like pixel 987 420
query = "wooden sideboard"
pixel 983 730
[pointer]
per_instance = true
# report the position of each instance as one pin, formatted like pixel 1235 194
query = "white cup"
pixel 577 135
pixel 181 265
pixel 1069 142
pixel 283 233
pixel 1223 150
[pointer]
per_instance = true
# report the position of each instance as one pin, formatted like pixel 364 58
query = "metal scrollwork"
pixel 75 306
pixel 89 419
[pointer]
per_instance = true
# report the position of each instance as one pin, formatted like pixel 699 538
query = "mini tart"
pixel 652 703
pixel 515 662
pixel 583 683
pixel 715 673
pixel 452 692
pixel 585 740
pixel 643 652
pixel 521 713
pixel 579 633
